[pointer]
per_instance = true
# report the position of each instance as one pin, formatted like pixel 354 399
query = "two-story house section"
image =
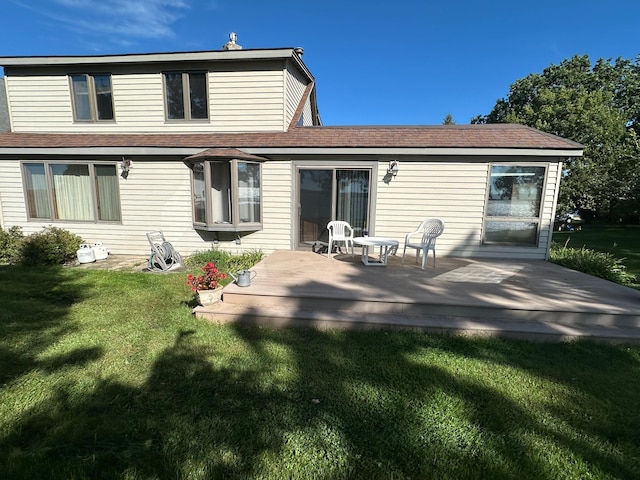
pixel 226 148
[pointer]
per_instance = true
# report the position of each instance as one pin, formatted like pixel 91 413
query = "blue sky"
pixel 375 63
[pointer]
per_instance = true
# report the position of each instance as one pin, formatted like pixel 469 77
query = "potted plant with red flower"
pixel 206 286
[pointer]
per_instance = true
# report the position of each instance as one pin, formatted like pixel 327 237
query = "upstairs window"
pixel 514 205
pixel 75 191
pixel 227 195
pixel 92 97
pixel 186 95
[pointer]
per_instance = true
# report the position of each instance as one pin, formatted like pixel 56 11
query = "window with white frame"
pixel 74 191
pixel 514 204
pixel 92 97
pixel 227 195
pixel 186 95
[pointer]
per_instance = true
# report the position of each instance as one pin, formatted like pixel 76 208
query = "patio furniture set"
pixel 422 239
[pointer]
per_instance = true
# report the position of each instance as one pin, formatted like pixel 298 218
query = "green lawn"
pixel 108 375
pixel 622 241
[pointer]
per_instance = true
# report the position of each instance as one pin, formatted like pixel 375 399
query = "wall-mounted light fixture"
pixel 125 166
pixel 393 168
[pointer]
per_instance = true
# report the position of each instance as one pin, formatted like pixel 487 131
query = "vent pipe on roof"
pixel 231 44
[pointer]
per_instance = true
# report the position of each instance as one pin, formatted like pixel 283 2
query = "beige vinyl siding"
pixel 296 85
pixel 14 211
pixel 239 101
pixel 455 192
pixel 549 201
pixel 138 103
pixel 40 103
pixel 246 100
pixel 152 198
pixel 277 192
pixel 157 196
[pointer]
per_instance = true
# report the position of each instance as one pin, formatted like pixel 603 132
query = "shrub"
pixel 226 262
pixel 11 245
pixel 598 264
pixel 51 246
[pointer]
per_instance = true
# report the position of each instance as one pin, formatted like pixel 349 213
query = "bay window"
pixel 74 191
pixel 227 195
pixel 514 205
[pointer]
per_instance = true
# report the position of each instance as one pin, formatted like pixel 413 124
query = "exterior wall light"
pixel 393 168
pixel 125 166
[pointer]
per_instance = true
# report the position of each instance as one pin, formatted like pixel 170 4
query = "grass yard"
pixel 108 375
pixel 621 241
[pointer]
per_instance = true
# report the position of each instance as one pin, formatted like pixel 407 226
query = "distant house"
pixel 227 148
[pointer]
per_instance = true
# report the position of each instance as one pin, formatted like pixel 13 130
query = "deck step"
pixel 379 305
pixel 532 326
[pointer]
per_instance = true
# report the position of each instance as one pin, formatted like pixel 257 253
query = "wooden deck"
pixel 534 300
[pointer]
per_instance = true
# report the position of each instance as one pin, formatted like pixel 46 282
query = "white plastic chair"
pixel 429 230
pixel 340 231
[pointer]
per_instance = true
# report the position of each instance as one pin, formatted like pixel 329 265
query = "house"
pixel 226 148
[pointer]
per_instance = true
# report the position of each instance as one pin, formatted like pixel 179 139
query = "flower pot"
pixel 209 297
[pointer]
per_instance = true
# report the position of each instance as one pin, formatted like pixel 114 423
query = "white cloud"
pixel 128 19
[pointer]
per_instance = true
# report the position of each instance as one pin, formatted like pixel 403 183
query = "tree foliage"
pixel 448 120
pixel 597 106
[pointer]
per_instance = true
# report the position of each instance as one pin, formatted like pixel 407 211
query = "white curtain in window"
pixel 353 197
pixel 72 192
pixel 249 192
pixel 107 192
pixel 221 192
pixel 37 195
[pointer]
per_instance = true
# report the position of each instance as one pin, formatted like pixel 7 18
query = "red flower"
pixel 208 281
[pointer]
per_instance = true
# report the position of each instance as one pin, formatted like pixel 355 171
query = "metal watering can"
pixel 244 277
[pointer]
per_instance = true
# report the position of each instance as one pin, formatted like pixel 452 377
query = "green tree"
pixel 448 120
pixel 597 106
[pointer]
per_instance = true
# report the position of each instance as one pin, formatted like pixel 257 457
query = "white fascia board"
pixel 519 152
pixel 102 151
pixel 150 57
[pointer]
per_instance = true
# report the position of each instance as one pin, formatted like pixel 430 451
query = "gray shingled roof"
pixel 500 136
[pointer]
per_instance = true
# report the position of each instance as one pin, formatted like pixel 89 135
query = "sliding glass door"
pixel 327 194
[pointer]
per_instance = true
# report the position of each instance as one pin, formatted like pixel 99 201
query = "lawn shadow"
pixel 35 304
pixel 420 420
pixel 242 401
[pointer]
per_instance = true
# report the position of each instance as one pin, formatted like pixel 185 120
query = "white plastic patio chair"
pixel 340 232
pixel 429 230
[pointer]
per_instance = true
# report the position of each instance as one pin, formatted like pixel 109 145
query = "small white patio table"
pixel 386 245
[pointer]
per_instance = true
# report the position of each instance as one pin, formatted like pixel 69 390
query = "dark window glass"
pixel 186 95
pixel 174 96
pixel 198 95
pixel 104 98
